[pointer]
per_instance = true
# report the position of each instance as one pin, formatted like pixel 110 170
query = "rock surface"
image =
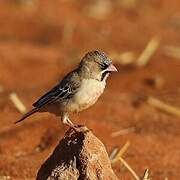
pixel 79 156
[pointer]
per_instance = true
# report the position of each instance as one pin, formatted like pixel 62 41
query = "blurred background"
pixel 40 41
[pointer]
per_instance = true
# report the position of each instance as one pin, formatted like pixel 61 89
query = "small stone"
pixel 79 155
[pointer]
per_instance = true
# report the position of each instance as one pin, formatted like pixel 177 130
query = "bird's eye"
pixel 103 66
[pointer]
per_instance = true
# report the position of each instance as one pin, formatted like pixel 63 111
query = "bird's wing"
pixel 63 91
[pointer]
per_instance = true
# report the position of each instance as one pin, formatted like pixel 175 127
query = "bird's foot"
pixel 77 128
pixel 68 123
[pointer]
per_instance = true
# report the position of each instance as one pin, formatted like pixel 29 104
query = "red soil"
pixel 38 46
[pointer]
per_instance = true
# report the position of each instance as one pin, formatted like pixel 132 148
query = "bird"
pixel 78 90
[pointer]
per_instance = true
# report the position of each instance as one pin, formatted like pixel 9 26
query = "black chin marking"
pixel 104 75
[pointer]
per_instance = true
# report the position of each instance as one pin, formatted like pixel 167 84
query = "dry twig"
pixel 17 103
pixel 163 106
pixel 5 177
pixel 124 58
pixel 148 52
pixel 129 168
pixel 99 9
pixel 121 152
pixel 123 131
pixel 172 51
pixel 146 175
pixel 113 153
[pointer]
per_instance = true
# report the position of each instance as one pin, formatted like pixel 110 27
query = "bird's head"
pixel 96 65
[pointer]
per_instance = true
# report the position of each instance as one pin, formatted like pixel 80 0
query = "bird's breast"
pixel 87 95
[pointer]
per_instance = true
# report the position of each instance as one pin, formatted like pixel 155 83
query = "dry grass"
pixel 146 175
pixel 17 103
pixel 148 52
pixel 116 156
pixel 172 51
pixel 123 132
pixel 129 168
pixel 99 9
pixel 124 58
pixel 121 152
pixel 163 106
pixel 130 58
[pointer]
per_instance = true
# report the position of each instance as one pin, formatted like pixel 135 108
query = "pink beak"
pixel 112 68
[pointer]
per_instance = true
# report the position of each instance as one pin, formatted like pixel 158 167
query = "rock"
pixel 79 155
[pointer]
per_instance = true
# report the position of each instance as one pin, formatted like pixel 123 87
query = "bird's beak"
pixel 112 68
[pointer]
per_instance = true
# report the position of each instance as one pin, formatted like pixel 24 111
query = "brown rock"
pixel 79 155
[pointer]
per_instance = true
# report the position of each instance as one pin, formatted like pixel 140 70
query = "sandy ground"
pixel 40 41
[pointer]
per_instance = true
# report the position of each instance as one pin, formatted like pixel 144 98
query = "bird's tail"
pixel 34 110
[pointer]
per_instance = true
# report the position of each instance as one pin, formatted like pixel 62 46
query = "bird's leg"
pixel 66 120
